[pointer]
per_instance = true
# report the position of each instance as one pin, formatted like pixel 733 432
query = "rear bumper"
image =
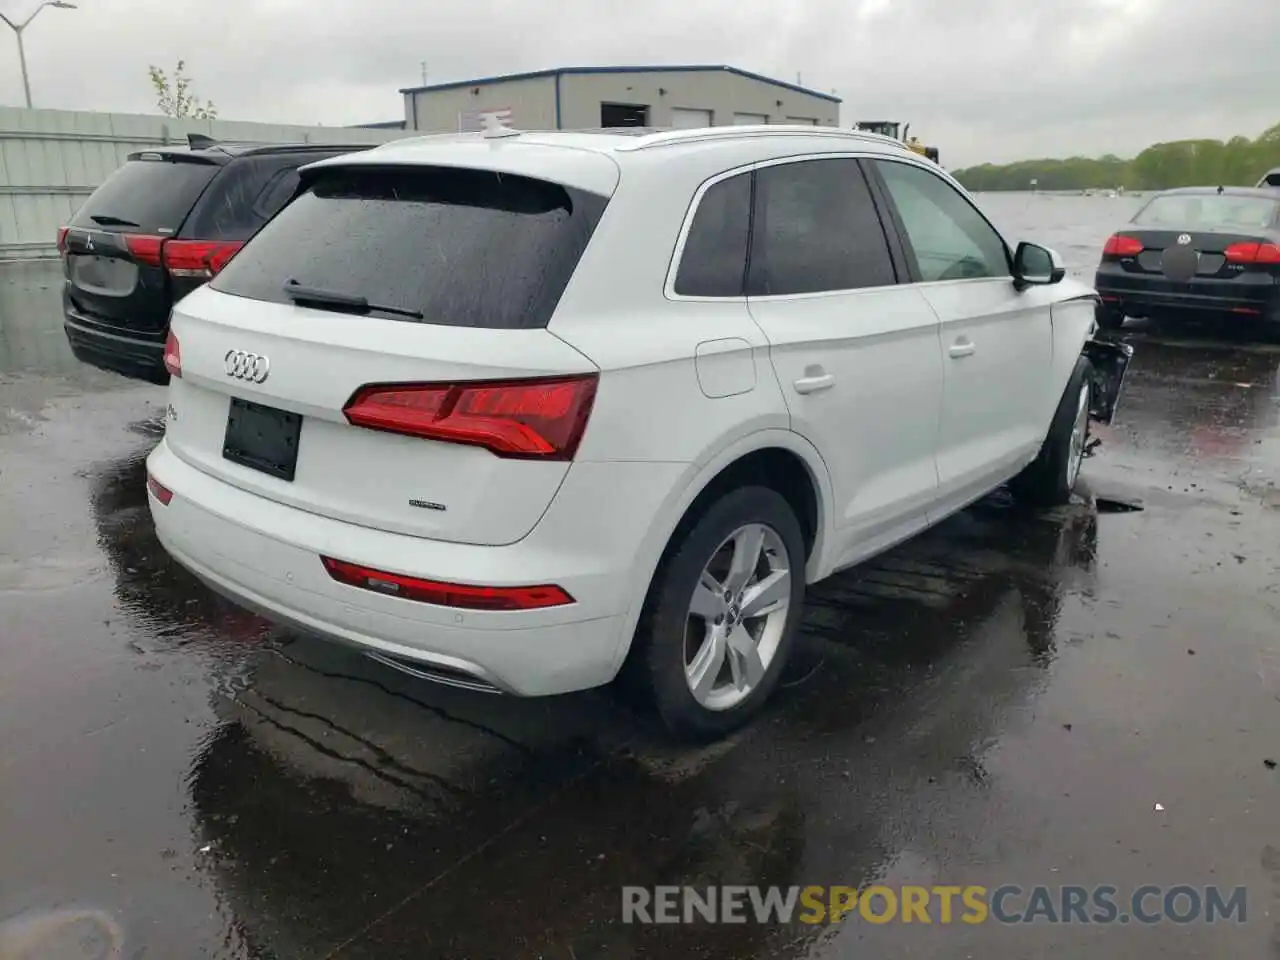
pixel 1244 296
pixel 128 356
pixel 266 556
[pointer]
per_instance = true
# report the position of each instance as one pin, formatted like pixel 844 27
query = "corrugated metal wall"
pixel 51 160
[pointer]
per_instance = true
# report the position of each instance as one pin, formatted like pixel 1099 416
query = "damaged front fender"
pixel 1110 362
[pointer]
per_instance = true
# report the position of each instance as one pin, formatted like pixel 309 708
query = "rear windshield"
pixel 462 247
pixel 149 196
pixel 1220 212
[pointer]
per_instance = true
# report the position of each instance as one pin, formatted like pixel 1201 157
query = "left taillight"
pixel 159 490
pixel 62 240
pixel 173 355
pixel 198 259
pixel 539 419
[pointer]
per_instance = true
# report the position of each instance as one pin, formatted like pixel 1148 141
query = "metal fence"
pixel 51 160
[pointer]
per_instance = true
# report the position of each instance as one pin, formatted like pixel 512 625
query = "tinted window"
pixel 816 229
pixel 249 192
pixel 463 247
pixel 714 262
pixel 156 195
pixel 950 239
pixel 1224 213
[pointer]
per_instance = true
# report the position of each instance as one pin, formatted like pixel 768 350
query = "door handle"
pixel 962 348
pixel 814 382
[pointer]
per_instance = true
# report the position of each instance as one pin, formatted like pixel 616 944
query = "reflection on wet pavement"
pixel 1002 700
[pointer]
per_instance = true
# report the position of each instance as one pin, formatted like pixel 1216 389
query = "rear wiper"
pixel 300 293
pixel 107 220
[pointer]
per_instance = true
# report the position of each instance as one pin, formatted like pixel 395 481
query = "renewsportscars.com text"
pixel 1008 904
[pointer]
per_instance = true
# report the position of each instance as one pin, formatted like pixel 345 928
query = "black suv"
pixel 159 227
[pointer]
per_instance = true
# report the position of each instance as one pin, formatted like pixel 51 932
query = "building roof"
pixel 564 71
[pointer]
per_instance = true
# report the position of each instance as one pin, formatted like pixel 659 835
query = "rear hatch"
pixel 1188 237
pixel 378 353
pixel 112 248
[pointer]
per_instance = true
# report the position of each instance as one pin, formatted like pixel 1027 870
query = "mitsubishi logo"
pixel 250 367
pixel 1184 239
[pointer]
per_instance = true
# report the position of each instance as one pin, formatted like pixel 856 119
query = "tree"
pixel 174 97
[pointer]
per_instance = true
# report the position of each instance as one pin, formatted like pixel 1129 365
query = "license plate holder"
pixel 262 438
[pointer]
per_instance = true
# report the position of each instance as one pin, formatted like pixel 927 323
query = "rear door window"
pixel 714 260
pixel 249 193
pixel 146 196
pixel 816 229
pixel 462 247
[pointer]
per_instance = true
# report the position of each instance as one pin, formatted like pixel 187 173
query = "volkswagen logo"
pixel 1184 239
pixel 253 367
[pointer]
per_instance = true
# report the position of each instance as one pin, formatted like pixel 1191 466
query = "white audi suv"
pixel 519 412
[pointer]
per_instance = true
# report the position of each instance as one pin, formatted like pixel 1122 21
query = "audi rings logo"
pixel 253 367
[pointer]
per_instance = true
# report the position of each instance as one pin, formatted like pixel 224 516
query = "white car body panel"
pixel 687 387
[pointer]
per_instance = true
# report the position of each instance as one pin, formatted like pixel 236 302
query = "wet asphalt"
pixel 1089 696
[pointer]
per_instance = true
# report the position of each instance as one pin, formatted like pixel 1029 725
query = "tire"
pixel 1109 318
pixel 1049 479
pixel 671 634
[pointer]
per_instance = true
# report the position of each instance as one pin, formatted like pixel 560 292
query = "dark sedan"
pixel 1211 251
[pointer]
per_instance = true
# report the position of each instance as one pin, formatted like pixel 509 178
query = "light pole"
pixel 17 29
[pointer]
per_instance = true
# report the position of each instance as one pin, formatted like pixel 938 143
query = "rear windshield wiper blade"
pixel 300 293
pixel 107 220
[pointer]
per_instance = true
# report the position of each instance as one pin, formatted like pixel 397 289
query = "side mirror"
pixel 1034 265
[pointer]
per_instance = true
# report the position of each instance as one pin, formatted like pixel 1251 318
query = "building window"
pixel 623 115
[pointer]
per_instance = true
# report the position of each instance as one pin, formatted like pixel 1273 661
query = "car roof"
pixel 594 159
pixel 221 152
pixel 1265 193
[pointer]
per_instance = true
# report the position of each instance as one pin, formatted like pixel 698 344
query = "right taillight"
pixel 201 259
pixel 1253 252
pixel 1119 245
pixel 541 419
pixel 172 356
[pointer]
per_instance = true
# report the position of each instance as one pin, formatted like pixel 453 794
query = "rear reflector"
pixel 172 355
pixel 1265 253
pixel 1118 245
pixel 446 594
pixel 198 258
pixel 159 491
pixel 540 419
pixel 145 250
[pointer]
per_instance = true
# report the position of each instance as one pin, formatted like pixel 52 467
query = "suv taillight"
pixel 201 259
pixel 173 356
pixel 539 419
pixel 62 240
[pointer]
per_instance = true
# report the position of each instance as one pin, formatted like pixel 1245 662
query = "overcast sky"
pixel 982 79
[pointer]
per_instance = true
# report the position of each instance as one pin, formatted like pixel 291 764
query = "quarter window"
pixel 714 261
pixel 950 239
pixel 816 229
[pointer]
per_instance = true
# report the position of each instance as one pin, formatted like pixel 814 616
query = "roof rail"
pixel 673 137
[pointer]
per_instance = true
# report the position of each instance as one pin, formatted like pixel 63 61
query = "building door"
pixel 749 119
pixel 806 121
pixel 683 118
pixel 623 115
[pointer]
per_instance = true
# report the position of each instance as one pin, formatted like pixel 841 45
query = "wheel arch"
pixel 775 458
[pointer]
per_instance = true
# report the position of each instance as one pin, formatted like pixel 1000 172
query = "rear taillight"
pixel 145 249
pixel 446 594
pixel 1253 252
pixel 540 419
pixel 62 240
pixel 172 356
pixel 201 259
pixel 159 490
pixel 1118 245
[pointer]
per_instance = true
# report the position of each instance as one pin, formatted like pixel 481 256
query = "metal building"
pixel 585 97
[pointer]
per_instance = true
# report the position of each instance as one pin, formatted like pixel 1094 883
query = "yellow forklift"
pixel 898 131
